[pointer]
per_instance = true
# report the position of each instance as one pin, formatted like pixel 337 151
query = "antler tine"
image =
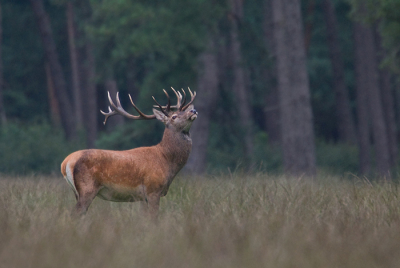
pixel 110 113
pixel 178 97
pixel 159 105
pixel 184 100
pixel 168 108
pixel 192 96
pixel 142 115
pixel 119 110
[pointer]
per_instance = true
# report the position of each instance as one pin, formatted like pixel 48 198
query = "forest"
pixel 294 160
pixel 283 86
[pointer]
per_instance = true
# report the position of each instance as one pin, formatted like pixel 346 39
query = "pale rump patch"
pixel 70 179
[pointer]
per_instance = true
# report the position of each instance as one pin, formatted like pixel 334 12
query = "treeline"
pixel 282 84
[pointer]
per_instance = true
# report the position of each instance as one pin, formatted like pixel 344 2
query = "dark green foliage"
pixel 385 14
pixel 256 57
pixel 22 64
pixel 163 39
pixel 31 148
pixel 320 69
pixel 167 36
pixel 267 156
pixel 332 158
pixel 131 135
pixel 25 92
pixel 337 158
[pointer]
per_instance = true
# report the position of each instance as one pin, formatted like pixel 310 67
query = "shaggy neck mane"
pixel 176 147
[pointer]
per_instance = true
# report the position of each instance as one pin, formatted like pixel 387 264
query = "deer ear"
pixel 160 116
pixel 191 107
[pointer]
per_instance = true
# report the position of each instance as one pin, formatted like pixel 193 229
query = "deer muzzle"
pixel 194 116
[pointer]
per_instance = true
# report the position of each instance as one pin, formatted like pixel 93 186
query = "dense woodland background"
pixel 282 85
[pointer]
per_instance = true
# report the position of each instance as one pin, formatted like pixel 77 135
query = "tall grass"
pixel 237 221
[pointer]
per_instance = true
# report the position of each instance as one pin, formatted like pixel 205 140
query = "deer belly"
pixel 122 194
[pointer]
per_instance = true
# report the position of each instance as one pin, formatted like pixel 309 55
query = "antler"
pixel 178 97
pixel 119 110
pixel 192 96
pixel 180 105
pixel 165 109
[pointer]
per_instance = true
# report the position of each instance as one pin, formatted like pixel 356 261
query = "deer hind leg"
pixel 84 201
pixel 87 191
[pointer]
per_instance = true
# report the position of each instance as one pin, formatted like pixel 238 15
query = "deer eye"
pixel 174 117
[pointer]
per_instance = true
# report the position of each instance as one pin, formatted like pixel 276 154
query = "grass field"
pixel 237 221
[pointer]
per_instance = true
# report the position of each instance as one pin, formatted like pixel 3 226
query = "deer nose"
pixel 194 111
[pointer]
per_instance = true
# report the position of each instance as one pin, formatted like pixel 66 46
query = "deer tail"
pixel 67 169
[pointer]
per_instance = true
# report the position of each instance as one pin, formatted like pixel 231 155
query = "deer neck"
pixel 176 147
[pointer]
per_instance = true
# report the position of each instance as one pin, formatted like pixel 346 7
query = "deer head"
pixel 181 119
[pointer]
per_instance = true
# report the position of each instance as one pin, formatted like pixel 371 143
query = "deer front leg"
pixel 151 205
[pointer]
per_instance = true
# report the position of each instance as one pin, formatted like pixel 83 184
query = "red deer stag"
pixel 140 174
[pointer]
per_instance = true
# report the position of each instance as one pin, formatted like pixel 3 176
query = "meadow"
pixel 223 221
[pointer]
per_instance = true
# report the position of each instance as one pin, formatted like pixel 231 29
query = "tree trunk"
pixel 346 126
pixel 87 65
pixel 309 24
pixel 379 131
pixel 362 102
pixel 3 118
pixel 389 114
pixel 53 103
pixel 388 102
pixel 271 98
pixel 272 116
pixel 67 120
pixel 90 110
pixel 205 103
pixel 73 54
pixel 368 59
pixel 239 87
pixel 293 85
